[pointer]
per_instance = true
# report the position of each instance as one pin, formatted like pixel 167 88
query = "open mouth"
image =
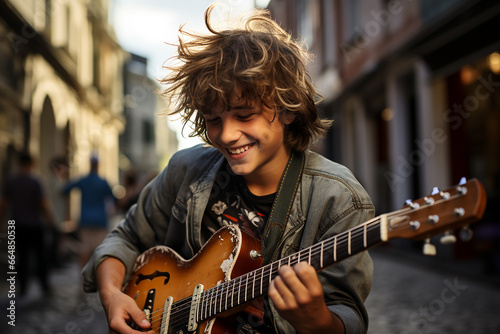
pixel 239 150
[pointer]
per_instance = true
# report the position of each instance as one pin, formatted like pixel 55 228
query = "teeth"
pixel 239 150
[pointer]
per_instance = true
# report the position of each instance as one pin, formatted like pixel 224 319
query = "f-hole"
pixel 154 275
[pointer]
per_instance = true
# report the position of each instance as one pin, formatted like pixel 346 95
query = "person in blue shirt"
pixel 96 194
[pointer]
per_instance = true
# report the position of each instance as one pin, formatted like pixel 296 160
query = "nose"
pixel 230 131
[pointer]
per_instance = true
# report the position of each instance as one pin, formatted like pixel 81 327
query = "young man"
pixel 250 98
pixel 31 215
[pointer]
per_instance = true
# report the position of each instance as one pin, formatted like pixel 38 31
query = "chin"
pixel 238 170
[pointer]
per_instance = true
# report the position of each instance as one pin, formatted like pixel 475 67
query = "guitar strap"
pixel 282 205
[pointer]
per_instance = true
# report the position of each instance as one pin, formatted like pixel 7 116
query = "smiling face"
pixel 251 137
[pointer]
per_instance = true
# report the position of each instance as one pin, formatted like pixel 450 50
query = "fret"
pixel 289 258
pixel 221 295
pixel 349 243
pixel 298 260
pixel 232 294
pixel 335 250
pixel 210 305
pixel 270 272
pixel 321 256
pixel 207 304
pixel 261 279
pixel 226 294
pixel 215 299
pixel 253 287
pixel 365 245
pixel 246 288
pixel 310 249
pixel 239 291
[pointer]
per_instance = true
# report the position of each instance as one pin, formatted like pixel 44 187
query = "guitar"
pixel 200 294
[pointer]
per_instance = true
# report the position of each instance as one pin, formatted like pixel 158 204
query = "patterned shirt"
pixel 232 202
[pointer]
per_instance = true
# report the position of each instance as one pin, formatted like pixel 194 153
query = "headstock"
pixel 458 206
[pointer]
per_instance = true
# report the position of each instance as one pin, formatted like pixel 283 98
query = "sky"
pixel 144 27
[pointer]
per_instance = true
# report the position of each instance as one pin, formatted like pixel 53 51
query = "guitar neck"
pixel 254 284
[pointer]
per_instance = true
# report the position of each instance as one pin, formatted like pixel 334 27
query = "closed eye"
pixel 212 120
pixel 245 117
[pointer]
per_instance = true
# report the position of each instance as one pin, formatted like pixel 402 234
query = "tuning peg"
pixel 444 195
pixel 435 191
pixel 466 233
pixel 459 212
pixel 429 249
pixel 433 219
pixel 448 238
pixel 412 205
pixel 460 189
pixel 429 200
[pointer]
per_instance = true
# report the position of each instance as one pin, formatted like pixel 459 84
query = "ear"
pixel 287 117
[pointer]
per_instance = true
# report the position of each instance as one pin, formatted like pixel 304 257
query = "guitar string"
pixel 208 295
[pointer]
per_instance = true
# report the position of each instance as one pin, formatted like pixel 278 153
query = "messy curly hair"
pixel 260 60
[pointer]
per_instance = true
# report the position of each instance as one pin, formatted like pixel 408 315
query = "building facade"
pixel 414 90
pixel 61 90
pixel 147 142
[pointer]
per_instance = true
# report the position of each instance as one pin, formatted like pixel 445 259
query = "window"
pixel 147 132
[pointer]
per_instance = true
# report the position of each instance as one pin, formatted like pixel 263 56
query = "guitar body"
pixel 161 273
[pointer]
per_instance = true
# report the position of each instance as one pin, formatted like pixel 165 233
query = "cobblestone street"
pixel 66 310
pixel 410 297
pixel 407 297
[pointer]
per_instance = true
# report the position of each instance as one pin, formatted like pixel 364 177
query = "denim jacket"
pixel 169 212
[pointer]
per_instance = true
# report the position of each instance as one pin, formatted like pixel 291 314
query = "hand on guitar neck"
pixel 297 294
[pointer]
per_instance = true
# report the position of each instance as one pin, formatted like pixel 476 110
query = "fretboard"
pixel 254 284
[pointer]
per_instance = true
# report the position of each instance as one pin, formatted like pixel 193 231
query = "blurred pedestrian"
pixel 57 177
pixel 25 198
pixel 95 196
pixel 132 190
